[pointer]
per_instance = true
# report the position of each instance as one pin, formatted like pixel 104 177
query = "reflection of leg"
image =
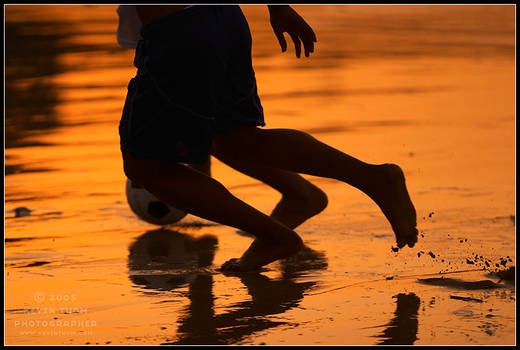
pixel 300 201
pixel 297 151
pixel 199 327
pixel 268 296
pixel 403 327
pixel 199 194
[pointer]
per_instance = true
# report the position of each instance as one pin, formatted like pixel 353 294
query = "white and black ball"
pixel 149 208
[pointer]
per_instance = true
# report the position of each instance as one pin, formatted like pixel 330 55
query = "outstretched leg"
pixel 299 152
pixel 194 192
pixel 300 201
pixel 204 167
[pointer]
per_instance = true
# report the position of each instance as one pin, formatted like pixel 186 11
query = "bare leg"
pixel 204 167
pixel 297 151
pixel 300 201
pixel 196 193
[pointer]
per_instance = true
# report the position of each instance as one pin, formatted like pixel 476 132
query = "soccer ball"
pixel 149 208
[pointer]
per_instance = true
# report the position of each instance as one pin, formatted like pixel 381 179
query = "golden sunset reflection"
pixel 428 87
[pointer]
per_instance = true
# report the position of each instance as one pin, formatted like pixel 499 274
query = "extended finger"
pixel 309 32
pixel 313 35
pixel 310 36
pixel 297 44
pixel 281 40
pixel 309 47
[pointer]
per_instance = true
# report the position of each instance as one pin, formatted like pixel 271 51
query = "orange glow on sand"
pixel 431 88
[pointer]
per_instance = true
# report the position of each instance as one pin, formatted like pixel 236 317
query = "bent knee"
pixel 136 169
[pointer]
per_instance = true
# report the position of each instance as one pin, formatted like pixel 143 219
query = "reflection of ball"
pixel 149 208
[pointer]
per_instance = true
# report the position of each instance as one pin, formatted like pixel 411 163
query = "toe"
pixel 409 239
pixel 230 265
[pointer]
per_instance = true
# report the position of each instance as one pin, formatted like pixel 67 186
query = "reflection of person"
pixel 165 260
pixel 195 95
pixel 245 318
pixel 268 297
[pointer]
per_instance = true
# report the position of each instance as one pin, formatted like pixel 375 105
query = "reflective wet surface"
pixel 430 88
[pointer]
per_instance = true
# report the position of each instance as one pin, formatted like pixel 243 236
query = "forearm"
pixel 276 8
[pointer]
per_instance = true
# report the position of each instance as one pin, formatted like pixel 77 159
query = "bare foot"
pixel 388 189
pixel 293 210
pixel 261 253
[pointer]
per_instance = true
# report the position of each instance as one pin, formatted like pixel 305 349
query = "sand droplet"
pixel 21 212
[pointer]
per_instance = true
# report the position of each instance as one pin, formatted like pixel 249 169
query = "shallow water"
pixel 430 88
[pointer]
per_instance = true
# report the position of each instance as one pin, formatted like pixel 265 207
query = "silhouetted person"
pixel 195 94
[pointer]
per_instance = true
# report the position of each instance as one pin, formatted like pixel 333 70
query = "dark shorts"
pixel 194 79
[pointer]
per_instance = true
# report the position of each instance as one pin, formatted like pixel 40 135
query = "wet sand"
pixel 430 88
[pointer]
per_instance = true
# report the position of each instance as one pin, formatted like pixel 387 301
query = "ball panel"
pixel 149 208
pixel 157 209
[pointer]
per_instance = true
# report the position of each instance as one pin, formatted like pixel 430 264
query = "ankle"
pixel 287 238
pixel 364 177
